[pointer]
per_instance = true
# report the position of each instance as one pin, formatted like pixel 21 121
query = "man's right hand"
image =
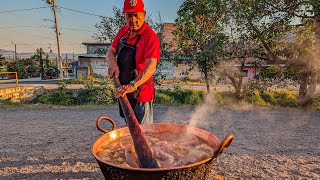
pixel 113 71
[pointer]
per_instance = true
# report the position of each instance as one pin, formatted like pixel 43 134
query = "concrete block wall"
pixel 22 93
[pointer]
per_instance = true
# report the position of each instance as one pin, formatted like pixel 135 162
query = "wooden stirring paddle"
pixel 144 153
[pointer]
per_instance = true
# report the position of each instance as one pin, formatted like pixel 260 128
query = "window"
pixel 245 73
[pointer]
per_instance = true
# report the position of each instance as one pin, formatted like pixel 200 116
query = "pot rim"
pixel 153 169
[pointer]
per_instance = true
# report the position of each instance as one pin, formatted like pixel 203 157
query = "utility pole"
pixel 15 51
pixel 53 3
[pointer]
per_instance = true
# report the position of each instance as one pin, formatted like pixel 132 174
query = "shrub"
pixel 224 97
pixel 268 97
pixel 179 96
pixel 165 99
pixel 79 80
pixel 193 97
pixel 285 98
pixel 105 95
pixel 254 97
pixel 85 96
pixel 60 97
pixel 95 95
pixel 316 103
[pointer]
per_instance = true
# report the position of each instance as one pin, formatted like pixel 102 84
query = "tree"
pixel 239 52
pixel 38 56
pixel 109 26
pixel 270 23
pixel 199 33
pixel 2 63
pixel 309 14
pixel 45 67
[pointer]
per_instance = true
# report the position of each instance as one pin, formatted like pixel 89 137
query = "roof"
pixel 262 65
pixel 92 55
pixel 87 43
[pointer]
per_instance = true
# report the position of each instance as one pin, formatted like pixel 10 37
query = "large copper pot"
pixel 197 171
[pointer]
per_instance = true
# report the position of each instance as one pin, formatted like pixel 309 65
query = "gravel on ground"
pixel 55 143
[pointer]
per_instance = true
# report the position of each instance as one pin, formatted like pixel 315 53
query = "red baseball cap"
pixel 133 6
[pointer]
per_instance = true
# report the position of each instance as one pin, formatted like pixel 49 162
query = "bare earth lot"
pixel 55 143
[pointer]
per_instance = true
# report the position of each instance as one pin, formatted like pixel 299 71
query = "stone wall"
pixel 22 93
pixel 179 71
pixel 92 66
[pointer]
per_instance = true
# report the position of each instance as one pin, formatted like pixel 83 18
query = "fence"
pixel 9 77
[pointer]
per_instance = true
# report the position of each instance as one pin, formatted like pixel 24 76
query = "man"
pixel 133 57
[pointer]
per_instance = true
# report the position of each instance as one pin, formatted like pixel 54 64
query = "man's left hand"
pixel 124 89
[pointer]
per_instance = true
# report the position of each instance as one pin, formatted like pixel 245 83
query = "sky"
pixel 32 29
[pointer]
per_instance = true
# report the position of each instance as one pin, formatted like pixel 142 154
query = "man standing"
pixel 133 57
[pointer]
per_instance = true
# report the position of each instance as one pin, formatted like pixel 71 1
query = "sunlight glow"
pixel 113 135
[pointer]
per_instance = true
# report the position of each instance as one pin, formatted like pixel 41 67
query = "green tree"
pixel 199 33
pixel 270 23
pixel 2 62
pixel 308 12
pixel 45 67
pixel 109 26
pixel 38 56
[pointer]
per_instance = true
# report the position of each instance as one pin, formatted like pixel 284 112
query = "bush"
pixel 85 96
pixel 73 81
pixel 179 96
pixel 285 98
pixel 95 95
pixel 165 99
pixel 316 103
pixel 253 97
pixel 268 97
pixel 90 95
pixel 193 97
pixel 60 97
pixel 224 97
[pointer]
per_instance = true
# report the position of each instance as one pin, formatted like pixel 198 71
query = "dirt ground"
pixel 55 143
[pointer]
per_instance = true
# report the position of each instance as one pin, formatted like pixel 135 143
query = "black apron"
pixel 126 60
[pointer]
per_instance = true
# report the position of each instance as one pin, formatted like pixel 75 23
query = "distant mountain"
pixel 2 51
pixel 10 54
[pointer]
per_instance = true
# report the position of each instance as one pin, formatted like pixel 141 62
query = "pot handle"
pixel 223 145
pixel 114 126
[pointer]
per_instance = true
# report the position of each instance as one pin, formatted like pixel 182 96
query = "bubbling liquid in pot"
pixel 169 149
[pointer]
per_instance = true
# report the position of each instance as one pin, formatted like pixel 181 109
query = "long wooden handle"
pixel 144 153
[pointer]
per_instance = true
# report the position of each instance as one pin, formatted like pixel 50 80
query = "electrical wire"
pixel 42 37
pixel 71 29
pixel 18 10
pixel 65 43
pixel 82 12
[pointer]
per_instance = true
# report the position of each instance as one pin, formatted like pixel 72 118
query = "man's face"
pixel 135 20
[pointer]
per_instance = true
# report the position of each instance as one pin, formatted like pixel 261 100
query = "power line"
pixel 23 10
pixel 42 37
pixel 81 12
pixel 72 29
pixel 23 18
pixel 29 34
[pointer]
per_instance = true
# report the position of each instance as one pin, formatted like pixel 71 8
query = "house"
pixel 94 61
pixel 187 67
pixel 172 70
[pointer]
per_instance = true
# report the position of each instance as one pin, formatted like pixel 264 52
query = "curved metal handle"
pixel 223 145
pixel 114 125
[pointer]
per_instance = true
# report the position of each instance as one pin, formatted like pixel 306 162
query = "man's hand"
pixel 113 70
pixel 124 89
